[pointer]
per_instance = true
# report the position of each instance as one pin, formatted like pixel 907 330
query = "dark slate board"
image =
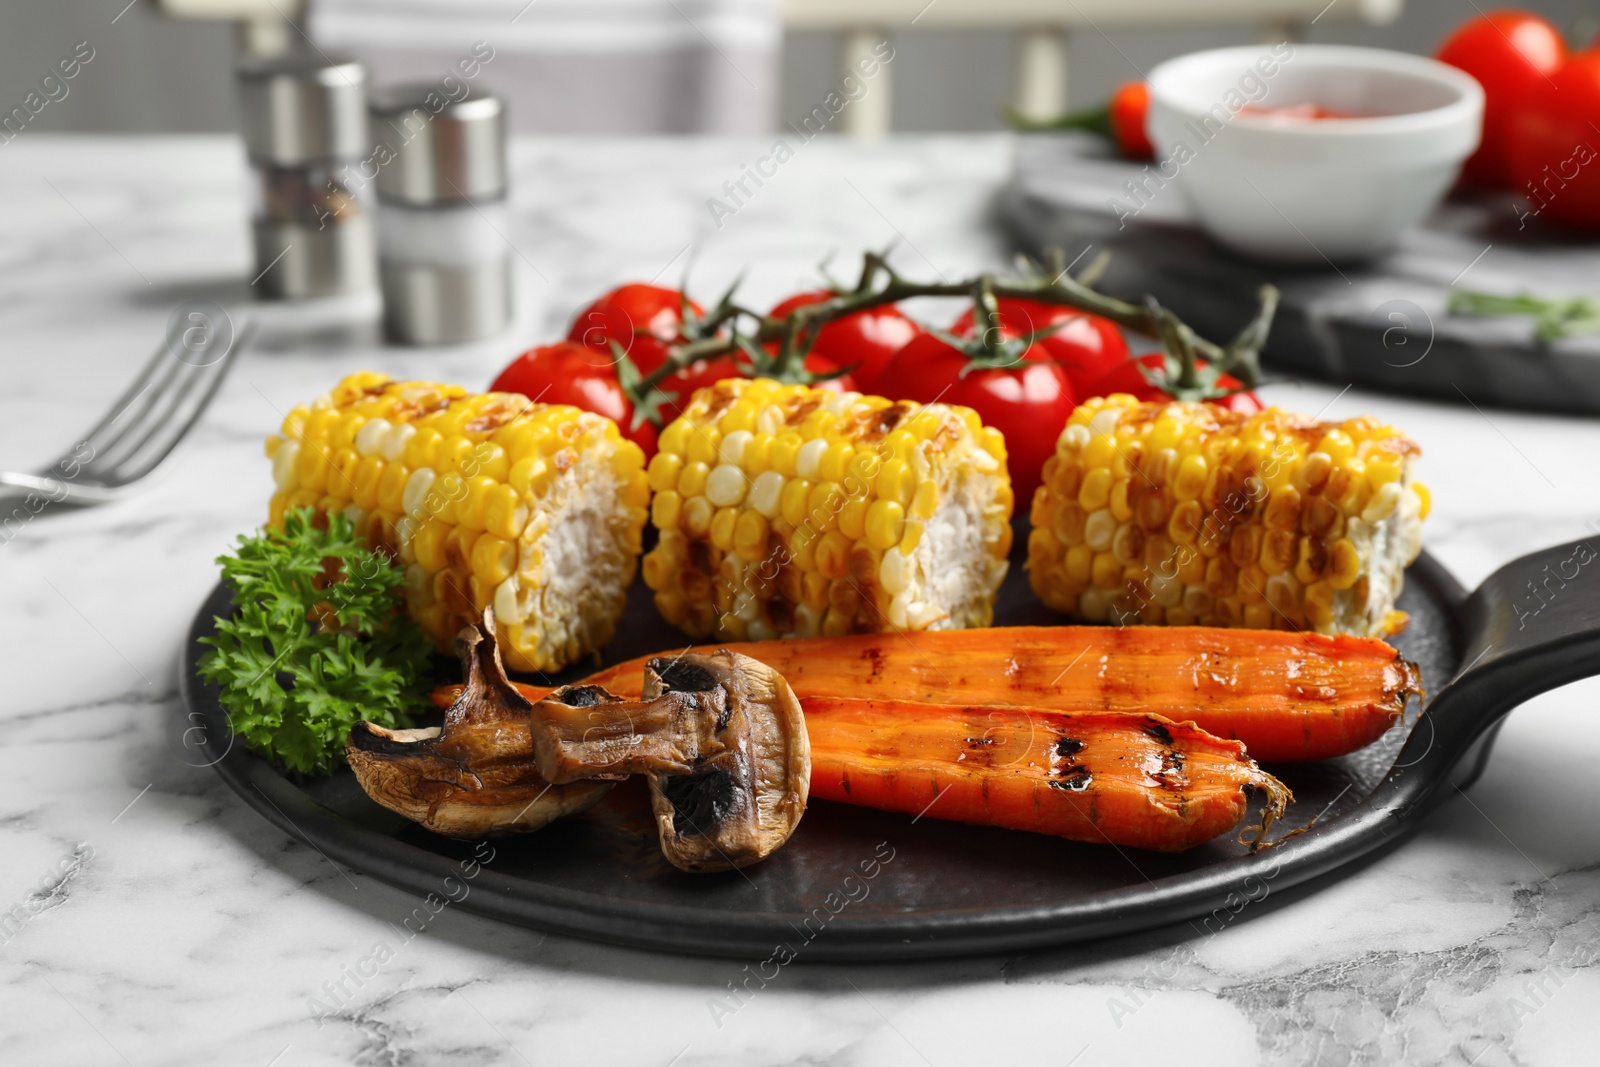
pixel 1381 324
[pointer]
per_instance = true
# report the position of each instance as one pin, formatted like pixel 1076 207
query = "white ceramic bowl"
pixel 1298 190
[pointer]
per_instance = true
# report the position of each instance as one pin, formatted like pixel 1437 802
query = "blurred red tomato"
pixel 1129 106
pixel 570 373
pixel 1511 53
pixel 645 321
pixel 1085 347
pixel 1128 378
pixel 1553 144
pixel 1028 402
pixel 865 341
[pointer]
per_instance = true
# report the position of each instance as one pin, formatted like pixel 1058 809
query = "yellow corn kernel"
pixel 665 509
pixel 692 479
pixel 1121 507
pixel 703 445
pixel 1095 491
pixel 1344 564
pixel 913 535
pixel 470 512
pixel 697 512
pixel 664 470
pixel 795 501
pixel 925 501
pixel 853 518
pixel 504 513
pixel 1190 480
pixel 427 544
pixel 1383 467
pixel 750 535
pixel 885 524
pixel 1106 571
pixel 1079 561
pixel 1318 600
pixel 1424 499
pixel 494 559
pixel 721 529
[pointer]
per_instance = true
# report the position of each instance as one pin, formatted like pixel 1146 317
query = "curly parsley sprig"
pixel 319 640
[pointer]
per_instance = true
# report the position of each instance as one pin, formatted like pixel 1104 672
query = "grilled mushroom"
pixel 476 776
pixel 721 738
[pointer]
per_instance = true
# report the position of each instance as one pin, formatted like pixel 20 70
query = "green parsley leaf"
pixel 319 641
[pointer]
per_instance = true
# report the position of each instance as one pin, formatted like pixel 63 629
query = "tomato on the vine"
pixel 865 340
pixel 1553 139
pixel 1028 401
pixel 569 373
pixel 645 321
pixel 1512 54
pixel 1128 108
pixel 1130 378
pixel 1085 347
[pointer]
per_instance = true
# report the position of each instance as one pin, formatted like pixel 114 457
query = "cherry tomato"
pixel 1553 141
pixel 1085 347
pixel 1511 53
pixel 571 373
pixel 866 340
pixel 1129 105
pixel 1028 402
pixel 1127 378
pixel 646 320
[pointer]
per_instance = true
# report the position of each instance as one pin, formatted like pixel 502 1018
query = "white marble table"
pixel 165 923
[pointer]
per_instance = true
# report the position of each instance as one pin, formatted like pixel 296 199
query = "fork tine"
pixel 177 426
pixel 135 421
pixel 132 393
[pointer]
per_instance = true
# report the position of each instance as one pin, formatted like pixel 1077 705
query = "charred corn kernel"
pixel 1190 480
pixel 476 494
pixel 1188 513
pixel 843 489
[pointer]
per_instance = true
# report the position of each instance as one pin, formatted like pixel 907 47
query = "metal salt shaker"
pixel 443 264
pixel 305 127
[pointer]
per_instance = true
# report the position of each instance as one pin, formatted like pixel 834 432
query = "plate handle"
pixel 1532 626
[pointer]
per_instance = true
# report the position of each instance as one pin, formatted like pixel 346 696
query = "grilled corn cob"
pixel 488 499
pixel 785 509
pixel 1187 514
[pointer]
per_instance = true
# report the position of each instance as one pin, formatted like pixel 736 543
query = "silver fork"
pixel 139 431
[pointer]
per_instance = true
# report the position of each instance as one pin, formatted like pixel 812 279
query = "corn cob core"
pixel 785 509
pixel 537 509
pixel 1189 514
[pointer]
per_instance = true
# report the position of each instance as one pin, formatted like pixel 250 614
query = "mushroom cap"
pixel 740 804
pixel 475 776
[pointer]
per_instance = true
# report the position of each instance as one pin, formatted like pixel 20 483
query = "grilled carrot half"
pixel 1288 696
pixel 1107 777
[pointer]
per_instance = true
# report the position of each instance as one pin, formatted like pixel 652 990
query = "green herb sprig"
pixel 1552 319
pixel 319 640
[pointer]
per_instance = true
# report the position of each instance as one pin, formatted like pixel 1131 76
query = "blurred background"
pixel 669 66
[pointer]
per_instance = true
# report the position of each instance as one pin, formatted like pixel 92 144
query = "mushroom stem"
pixel 585 732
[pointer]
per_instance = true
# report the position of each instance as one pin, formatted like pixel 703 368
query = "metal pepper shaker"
pixel 305 128
pixel 443 260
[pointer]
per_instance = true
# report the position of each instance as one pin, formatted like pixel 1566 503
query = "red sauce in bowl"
pixel 1303 112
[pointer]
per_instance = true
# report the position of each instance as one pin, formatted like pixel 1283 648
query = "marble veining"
pixel 148 917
